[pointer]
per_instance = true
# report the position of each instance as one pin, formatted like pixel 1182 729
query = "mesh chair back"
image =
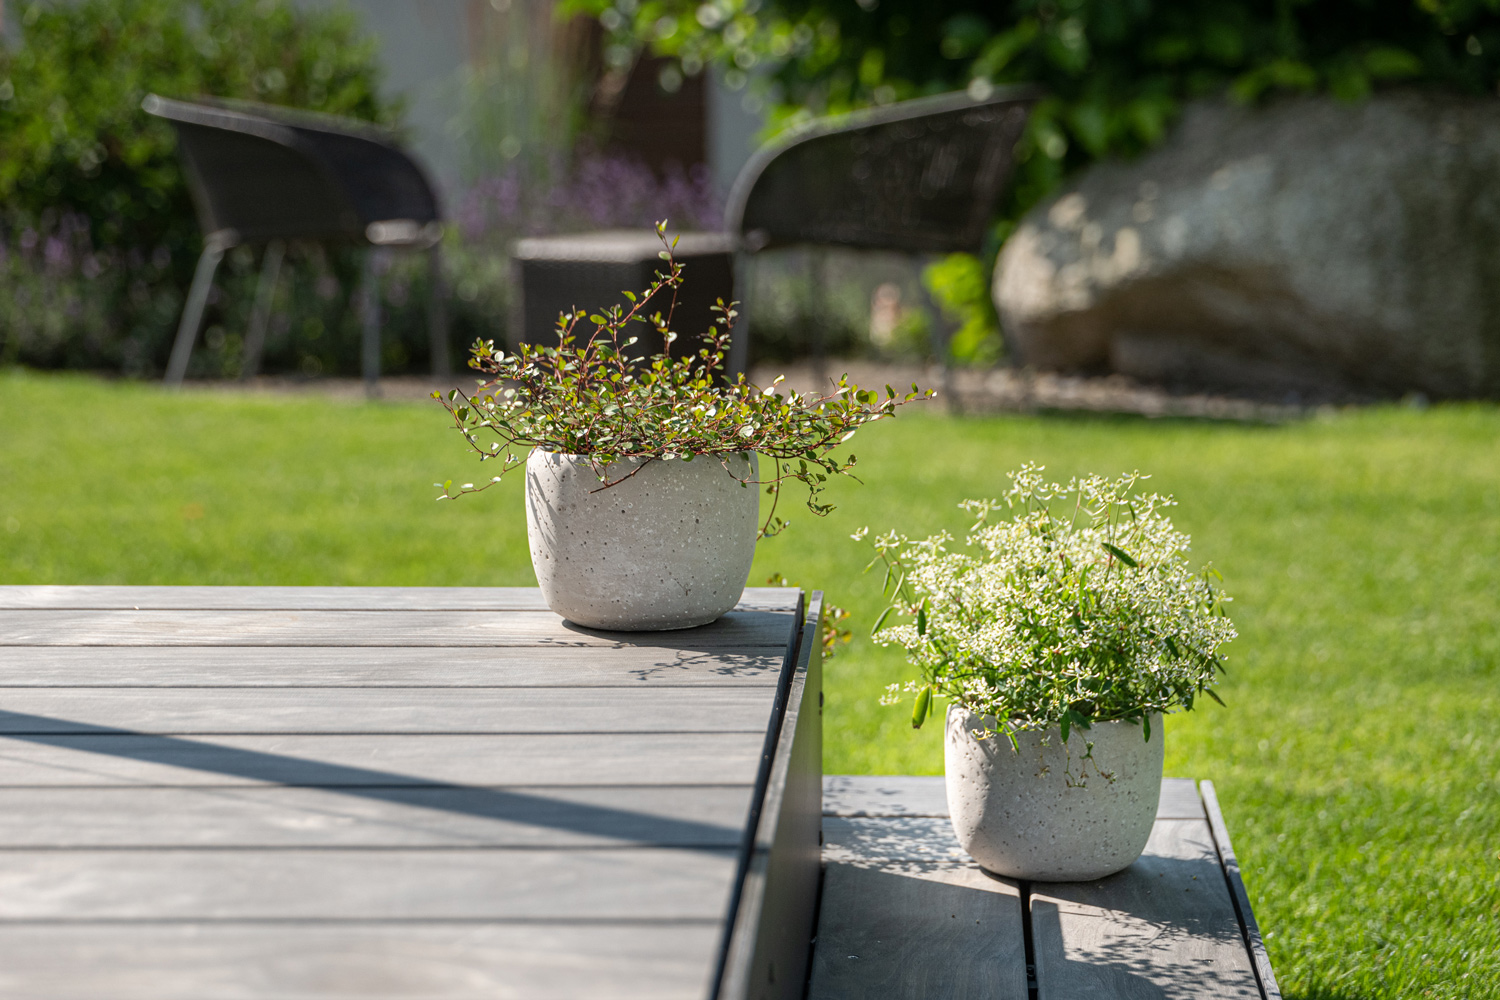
pixel 921 176
pixel 265 173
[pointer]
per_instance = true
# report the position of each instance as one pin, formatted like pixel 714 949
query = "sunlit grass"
pixel 1358 761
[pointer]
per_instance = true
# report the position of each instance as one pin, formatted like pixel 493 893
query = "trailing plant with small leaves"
pixel 1081 607
pixel 593 396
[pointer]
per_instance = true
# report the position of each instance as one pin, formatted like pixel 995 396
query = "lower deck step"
pixel 906 914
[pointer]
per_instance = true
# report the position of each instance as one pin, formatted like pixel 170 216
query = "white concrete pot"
pixel 670 547
pixel 1018 815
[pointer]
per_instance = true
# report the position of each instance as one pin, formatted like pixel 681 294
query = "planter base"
pixel 1049 813
pixel 668 548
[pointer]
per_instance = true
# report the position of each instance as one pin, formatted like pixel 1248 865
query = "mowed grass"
pixel 1358 761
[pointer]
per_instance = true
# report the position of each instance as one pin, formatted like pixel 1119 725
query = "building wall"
pixel 426 46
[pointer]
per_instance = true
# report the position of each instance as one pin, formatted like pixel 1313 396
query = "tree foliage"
pixel 1116 71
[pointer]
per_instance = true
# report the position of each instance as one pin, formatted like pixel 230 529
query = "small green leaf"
pixel 1146 725
pixel 881 620
pixel 1121 555
pixel 920 709
pixel 922 618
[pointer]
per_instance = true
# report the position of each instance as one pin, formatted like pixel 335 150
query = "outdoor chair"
pixel 919 177
pixel 262 175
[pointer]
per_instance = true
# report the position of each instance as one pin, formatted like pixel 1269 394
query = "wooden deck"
pixel 439 793
pixel 906 915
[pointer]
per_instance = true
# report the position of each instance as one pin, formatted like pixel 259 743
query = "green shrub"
pixel 960 286
pixel 93 204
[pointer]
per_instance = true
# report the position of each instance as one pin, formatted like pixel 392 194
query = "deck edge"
pixel 768 937
pixel 1260 961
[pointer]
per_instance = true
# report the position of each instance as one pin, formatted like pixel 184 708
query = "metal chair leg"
pixel 369 296
pixel 818 302
pixel 739 347
pixel 260 315
pixel 192 310
pixel 437 313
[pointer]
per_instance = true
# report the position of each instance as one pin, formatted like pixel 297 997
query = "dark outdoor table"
pixel 906 915
pixel 401 792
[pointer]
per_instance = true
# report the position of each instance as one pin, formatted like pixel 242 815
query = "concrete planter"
pixel 1018 816
pixel 668 548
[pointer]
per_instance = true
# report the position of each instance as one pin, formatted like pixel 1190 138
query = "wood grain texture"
pixel 344 884
pixel 884 795
pixel 103 598
pixel 1163 928
pixel 1179 799
pixel 905 915
pixel 394 961
pixel 892 838
pixel 382 710
pixel 581 758
pixel 1258 957
pixel 339 792
pixel 898 930
pixel 439 817
pixel 736 630
pixel 316 598
pixel 559 667
pixel 914 795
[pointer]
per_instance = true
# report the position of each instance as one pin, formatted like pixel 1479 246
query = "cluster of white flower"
pixel 1079 607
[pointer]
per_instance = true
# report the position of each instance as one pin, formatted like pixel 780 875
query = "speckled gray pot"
pixel 1016 814
pixel 670 547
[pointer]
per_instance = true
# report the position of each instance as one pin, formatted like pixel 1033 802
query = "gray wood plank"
pixel 341 884
pixel 581 758
pixel 152 598
pixel 738 629
pixel 396 961
pixel 383 710
pixel 441 817
pixel 924 795
pixel 1179 799
pixel 1163 928
pixel 905 914
pixel 884 795
pixel 891 838
pixel 324 666
pixel 894 930
pixel 308 857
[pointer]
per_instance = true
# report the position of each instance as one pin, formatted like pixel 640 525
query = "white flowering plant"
pixel 1079 607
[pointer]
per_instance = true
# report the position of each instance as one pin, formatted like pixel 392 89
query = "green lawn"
pixel 1358 761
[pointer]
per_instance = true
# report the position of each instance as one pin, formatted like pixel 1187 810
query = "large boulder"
pixel 1312 247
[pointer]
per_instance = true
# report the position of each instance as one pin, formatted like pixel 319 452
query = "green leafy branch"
pixel 596 397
